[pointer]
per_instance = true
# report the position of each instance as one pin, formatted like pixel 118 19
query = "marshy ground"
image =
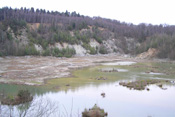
pixel 70 73
pixel 95 79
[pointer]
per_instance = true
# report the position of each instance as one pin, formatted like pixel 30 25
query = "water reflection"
pixel 119 101
pixel 39 107
pixel 120 63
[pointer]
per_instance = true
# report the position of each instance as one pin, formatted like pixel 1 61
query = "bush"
pixel 24 94
pixel 46 52
pixel 98 40
pixel 65 52
pixel 9 36
pixel 0 53
pixel 44 44
pixel 93 50
pixel 103 50
pixel 69 52
pixel 95 111
pixel 31 50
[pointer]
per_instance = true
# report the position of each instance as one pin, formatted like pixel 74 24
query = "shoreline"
pixel 37 70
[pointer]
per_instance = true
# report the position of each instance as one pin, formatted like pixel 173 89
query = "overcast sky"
pixel 130 11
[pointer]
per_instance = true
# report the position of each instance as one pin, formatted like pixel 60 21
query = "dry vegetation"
pixel 142 84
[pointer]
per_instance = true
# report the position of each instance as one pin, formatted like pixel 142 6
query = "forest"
pixel 57 26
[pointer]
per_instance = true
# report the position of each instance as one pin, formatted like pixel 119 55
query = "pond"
pixel 70 96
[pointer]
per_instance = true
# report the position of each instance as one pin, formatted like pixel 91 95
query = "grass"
pixel 83 77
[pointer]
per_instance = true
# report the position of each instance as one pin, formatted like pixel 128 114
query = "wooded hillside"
pixel 21 28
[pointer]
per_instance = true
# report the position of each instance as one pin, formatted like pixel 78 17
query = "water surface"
pixel 120 63
pixel 120 101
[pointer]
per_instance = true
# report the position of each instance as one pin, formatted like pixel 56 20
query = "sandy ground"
pixel 31 70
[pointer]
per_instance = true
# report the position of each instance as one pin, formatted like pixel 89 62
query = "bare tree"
pixel 39 107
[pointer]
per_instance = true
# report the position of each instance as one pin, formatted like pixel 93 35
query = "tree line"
pixel 46 35
pixel 75 21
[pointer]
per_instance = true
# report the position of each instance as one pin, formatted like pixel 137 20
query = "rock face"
pixel 94 43
pixel 110 45
pixel 80 51
pixel 38 48
pixel 149 54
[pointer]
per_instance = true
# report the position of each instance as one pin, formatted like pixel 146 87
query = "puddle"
pixel 122 70
pixel 154 73
pixel 1 71
pixel 113 70
pixel 120 63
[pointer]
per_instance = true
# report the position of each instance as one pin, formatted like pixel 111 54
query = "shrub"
pixel 68 52
pixel 0 53
pixel 31 50
pixel 95 111
pixel 46 52
pixel 9 36
pixel 103 50
pixel 65 52
pixel 99 40
pixel 93 50
pixel 24 94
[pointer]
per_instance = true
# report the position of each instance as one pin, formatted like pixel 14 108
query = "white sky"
pixel 130 11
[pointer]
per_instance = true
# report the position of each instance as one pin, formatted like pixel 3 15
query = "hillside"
pixel 40 32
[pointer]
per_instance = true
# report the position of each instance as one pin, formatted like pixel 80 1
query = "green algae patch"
pixel 83 77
